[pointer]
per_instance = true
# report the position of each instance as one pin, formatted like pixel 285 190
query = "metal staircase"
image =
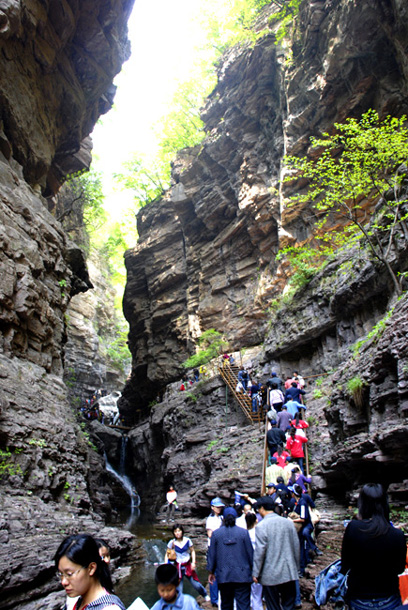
pixel 230 376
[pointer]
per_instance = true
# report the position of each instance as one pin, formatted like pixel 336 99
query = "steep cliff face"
pixel 206 253
pixel 92 322
pixel 57 63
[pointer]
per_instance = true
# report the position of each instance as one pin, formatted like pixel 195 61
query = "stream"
pixel 140 583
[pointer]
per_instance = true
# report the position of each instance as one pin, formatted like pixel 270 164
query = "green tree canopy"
pixel 359 164
pixel 226 23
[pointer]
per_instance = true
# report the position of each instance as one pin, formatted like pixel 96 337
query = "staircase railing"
pixel 230 376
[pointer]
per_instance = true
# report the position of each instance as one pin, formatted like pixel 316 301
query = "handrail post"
pixel 265 458
pixel 226 405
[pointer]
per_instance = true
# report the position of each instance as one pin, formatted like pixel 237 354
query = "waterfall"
pixel 122 477
pixel 123 447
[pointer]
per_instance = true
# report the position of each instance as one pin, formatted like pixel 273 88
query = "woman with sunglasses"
pixel 85 575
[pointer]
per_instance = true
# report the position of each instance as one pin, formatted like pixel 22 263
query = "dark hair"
pixel 280 480
pixel 167 574
pixel 250 519
pixel 373 504
pixel 100 543
pixel 297 417
pixel 229 521
pixel 297 490
pixel 238 507
pixel 83 550
pixel 274 386
pixel 294 384
pixel 178 526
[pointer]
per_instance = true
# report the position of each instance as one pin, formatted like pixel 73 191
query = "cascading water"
pixel 125 482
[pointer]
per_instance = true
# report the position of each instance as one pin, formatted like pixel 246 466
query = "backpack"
pixel 331 584
pixel 314 515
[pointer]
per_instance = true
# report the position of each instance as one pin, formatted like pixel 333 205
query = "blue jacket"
pixel 230 555
pixel 182 602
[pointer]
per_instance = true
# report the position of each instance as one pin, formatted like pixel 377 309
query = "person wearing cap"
pixel 230 559
pixel 274 379
pixel 276 539
pixel 213 522
pixel 271 491
pixel 293 407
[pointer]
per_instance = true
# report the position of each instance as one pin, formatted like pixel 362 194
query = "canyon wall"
pixel 57 63
pixel 206 255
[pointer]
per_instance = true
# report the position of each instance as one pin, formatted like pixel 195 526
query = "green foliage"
pixel 118 351
pixel 7 465
pixel 38 442
pixel 191 396
pixel 89 442
pixel 222 450
pixel 180 128
pixel 305 262
pixel 355 388
pixel 231 23
pixel 355 384
pixel 317 393
pixel 148 180
pixel 212 444
pixel 288 9
pixel 84 198
pixel 359 162
pixel 374 334
pixel 211 344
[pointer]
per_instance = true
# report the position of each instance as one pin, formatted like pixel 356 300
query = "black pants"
pixel 280 597
pixel 240 591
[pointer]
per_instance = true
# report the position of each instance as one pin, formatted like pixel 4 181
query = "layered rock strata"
pixel 57 64
pixel 206 253
pixel 91 326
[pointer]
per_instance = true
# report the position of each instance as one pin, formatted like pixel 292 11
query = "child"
pixel 167 580
pixel 104 550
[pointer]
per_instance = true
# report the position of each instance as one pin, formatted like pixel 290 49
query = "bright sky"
pixel 163 37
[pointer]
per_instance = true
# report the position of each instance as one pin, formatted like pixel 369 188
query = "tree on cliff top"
pixel 359 166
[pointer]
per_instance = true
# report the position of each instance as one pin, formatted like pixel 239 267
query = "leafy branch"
pixel 351 171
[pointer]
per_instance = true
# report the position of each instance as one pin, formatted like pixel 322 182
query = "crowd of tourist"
pixel 257 548
pixel 272 393
pixel 256 555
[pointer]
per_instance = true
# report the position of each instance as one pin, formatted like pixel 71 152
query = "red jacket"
pixel 295 446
